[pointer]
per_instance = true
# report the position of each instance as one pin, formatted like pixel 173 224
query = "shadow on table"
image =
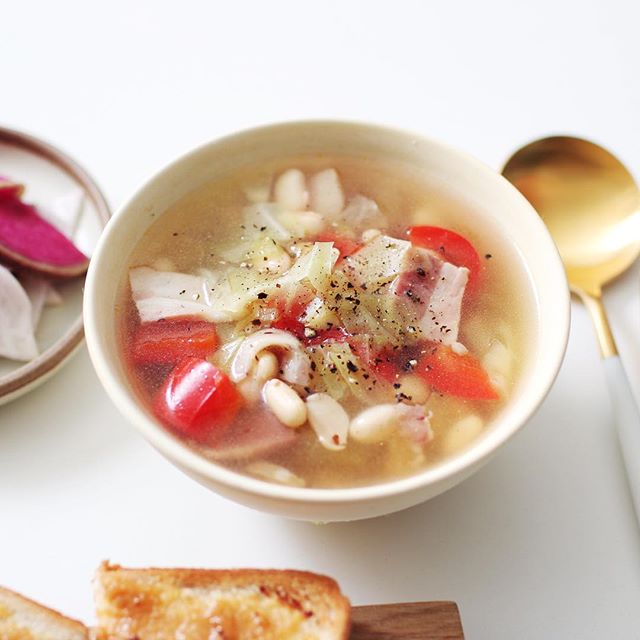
pixel 62 427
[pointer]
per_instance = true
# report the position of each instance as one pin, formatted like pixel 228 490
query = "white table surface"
pixel 541 543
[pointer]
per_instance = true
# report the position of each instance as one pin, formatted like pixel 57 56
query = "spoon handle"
pixel 627 422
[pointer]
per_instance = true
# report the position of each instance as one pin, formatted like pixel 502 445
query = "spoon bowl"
pixel 591 205
pixel 588 200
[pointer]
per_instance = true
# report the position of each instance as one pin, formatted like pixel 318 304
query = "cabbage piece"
pixel 363 384
pixel 362 213
pixel 318 315
pixel 246 285
pixel 265 255
pixel 314 266
pixel 378 262
pixel 346 300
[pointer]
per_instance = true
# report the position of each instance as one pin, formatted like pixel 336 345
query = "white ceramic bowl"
pixel 492 196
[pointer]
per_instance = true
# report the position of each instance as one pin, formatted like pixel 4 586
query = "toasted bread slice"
pixel 241 604
pixel 24 619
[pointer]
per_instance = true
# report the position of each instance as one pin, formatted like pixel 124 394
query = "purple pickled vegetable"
pixel 10 189
pixel 29 240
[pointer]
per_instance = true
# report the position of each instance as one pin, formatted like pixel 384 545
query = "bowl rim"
pixel 47 363
pixel 188 460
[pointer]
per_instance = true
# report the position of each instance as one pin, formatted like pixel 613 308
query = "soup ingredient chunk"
pixel 452 247
pixel 169 341
pixel 198 399
pixel 457 374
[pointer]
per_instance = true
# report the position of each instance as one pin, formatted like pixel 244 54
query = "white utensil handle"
pixel 627 421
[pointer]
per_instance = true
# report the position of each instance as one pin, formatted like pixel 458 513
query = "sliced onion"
pixel 252 345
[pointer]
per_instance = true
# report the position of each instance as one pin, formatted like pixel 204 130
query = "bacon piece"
pixel 430 293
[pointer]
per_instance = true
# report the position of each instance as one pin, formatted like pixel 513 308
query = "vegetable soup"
pixel 325 321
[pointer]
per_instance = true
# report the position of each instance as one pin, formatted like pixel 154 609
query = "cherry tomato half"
pixel 198 400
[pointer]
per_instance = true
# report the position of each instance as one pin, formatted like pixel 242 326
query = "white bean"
pixel 461 433
pixel 329 420
pixel 274 473
pixel 285 403
pixel 266 367
pixel 249 389
pixel 498 362
pixel 370 234
pixel 290 190
pixel 325 193
pixel 302 223
pixel 413 388
pixel 375 424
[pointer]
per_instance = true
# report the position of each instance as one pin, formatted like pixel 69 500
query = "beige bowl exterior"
pixel 492 195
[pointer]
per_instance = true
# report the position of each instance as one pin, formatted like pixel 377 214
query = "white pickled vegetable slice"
pixel 251 346
pixel 17 341
pixel 329 420
pixel 290 190
pixel 65 211
pixel 41 294
pixel 325 193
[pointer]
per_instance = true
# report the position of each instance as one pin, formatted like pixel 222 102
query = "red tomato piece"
pixel 453 248
pixel 289 311
pixel 346 246
pixel 198 400
pixel 169 341
pixel 456 374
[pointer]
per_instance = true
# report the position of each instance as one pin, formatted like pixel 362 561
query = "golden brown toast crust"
pixel 226 604
pixel 16 610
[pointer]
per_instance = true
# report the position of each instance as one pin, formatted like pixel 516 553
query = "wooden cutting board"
pixel 407 621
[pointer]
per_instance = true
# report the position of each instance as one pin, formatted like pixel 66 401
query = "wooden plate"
pixel 47 174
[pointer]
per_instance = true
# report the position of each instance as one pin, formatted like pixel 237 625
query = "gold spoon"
pixel 591 205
